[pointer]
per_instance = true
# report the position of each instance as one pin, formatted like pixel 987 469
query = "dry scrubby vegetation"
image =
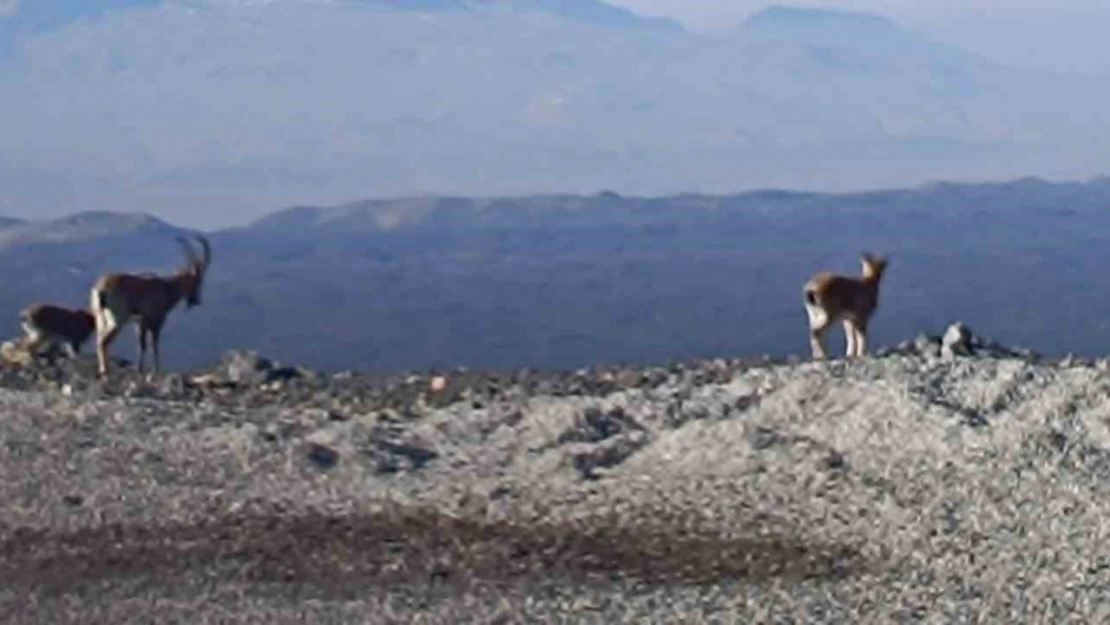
pixel 945 479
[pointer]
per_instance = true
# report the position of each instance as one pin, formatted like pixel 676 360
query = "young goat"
pixel 68 328
pixel 829 297
pixel 145 299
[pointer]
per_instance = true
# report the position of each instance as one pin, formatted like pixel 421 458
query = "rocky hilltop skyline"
pixel 562 281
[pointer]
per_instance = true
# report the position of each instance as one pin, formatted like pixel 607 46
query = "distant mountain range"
pixel 43 15
pixel 568 280
pixel 212 111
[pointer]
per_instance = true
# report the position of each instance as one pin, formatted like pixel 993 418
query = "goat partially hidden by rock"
pixel 830 297
pixel 48 324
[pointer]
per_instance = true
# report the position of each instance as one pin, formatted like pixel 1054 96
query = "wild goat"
pixel 68 328
pixel 829 297
pixel 145 299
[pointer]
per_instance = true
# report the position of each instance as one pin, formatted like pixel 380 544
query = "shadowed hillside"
pixel 568 280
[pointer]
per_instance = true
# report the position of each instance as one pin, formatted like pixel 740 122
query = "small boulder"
pixel 593 461
pixel 323 456
pixel 247 367
pixel 173 385
pixel 595 425
pixel 956 341
pixel 926 345
pixel 15 352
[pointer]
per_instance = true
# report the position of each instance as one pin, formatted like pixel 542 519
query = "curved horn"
pixel 206 248
pixel 190 253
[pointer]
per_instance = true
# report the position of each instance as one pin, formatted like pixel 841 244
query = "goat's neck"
pixel 175 287
pixel 871 281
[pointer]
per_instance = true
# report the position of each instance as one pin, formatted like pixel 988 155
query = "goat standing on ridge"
pixel 829 297
pixel 145 299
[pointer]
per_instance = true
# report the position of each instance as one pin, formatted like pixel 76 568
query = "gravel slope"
pixel 896 489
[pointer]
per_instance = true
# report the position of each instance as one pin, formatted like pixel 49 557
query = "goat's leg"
pixel 141 333
pixel 849 338
pixel 156 343
pixel 816 343
pixel 818 320
pixel 861 340
pixel 106 331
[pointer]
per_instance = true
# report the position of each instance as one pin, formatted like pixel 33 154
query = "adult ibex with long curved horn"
pixel 146 299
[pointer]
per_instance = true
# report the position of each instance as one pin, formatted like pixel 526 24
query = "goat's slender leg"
pixel 106 331
pixel 861 339
pixel 141 333
pixel 849 338
pixel 156 343
pixel 818 321
pixel 815 341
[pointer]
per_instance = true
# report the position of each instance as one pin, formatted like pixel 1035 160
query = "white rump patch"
pixel 817 316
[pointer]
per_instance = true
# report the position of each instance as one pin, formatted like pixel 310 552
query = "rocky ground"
pixel 945 479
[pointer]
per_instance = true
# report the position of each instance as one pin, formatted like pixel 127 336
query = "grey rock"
pixel 323 456
pixel 957 341
pixel 595 425
pixel 590 461
pixel 397 456
pixel 173 384
pixel 249 368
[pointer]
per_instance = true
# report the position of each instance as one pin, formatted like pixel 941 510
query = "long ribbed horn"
pixel 190 253
pixel 206 248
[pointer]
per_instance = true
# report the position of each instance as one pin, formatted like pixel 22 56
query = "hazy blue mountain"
pixel 212 111
pixel 588 11
pixel 570 280
pixel 91 226
pixel 1066 39
pixel 30 17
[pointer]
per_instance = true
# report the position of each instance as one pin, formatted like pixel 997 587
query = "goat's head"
pixel 873 265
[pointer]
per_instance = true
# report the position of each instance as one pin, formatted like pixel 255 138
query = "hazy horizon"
pixel 1064 35
pixel 231 222
pixel 214 113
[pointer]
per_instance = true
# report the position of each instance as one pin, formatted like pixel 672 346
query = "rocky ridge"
pixel 946 479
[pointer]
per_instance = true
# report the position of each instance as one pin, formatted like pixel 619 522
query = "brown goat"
pixel 146 299
pixel 829 297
